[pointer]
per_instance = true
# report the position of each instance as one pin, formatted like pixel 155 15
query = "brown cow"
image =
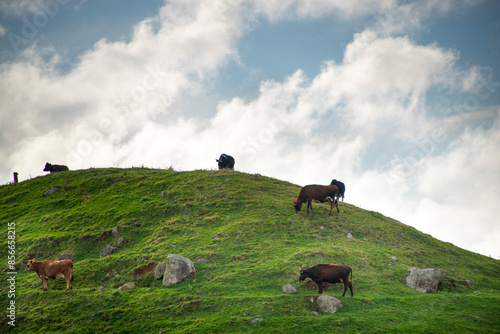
pixel 329 273
pixel 318 193
pixel 52 269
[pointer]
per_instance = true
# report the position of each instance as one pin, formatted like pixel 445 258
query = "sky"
pixel 400 100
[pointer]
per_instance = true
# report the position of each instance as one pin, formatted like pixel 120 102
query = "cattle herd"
pixel 320 273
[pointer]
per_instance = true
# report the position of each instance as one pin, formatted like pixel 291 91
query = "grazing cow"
pixel 225 161
pixel 52 269
pixel 341 187
pixel 318 193
pixel 55 168
pixel 329 273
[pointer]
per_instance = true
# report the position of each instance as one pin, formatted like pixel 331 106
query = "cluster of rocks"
pixel 326 304
pixel 108 250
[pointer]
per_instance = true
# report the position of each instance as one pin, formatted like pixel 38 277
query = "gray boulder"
pixel 107 251
pixel 425 280
pixel 160 270
pixel 328 304
pixel 288 288
pixel 51 191
pixel 177 269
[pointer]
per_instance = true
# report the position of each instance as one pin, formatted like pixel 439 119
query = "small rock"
pixel 51 191
pixel 238 235
pixel 107 251
pixel 216 238
pixel 114 232
pixel 102 289
pixel 36 284
pixel 365 239
pixel 394 258
pixel 321 227
pixel 349 235
pixel 401 234
pixel 256 320
pixel 162 193
pixel 328 304
pixel 310 299
pixel 314 313
pixel 201 260
pixel 127 286
pixel 159 271
pixel 119 242
pixel 456 299
pixel 476 292
pixel 288 288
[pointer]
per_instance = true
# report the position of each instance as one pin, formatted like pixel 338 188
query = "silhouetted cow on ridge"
pixel 55 168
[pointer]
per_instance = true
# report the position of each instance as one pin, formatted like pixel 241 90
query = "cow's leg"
pixel 350 287
pixel 337 205
pixel 345 288
pixel 331 206
pixel 44 281
pixel 309 204
pixel 320 285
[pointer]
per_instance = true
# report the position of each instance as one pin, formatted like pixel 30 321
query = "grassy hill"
pixel 245 227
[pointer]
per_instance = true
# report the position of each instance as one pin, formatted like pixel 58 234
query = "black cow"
pixel 341 187
pixel 225 161
pixel 329 273
pixel 55 168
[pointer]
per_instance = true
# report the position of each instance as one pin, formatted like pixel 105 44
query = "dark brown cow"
pixel 52 269
pixel 318 193
pixel 329 273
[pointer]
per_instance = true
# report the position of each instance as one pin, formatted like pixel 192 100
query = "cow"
pixel 55 168
pixel 52 269
pixel 329 273
pixel 225 161
pixel 341 187
pixel 319 193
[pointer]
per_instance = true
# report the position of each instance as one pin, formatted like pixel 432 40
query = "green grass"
pixel 246 227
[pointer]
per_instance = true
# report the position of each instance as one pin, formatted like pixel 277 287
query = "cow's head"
pixel 297 206
pixel 303 275
pixel 29 267
pixel 47 167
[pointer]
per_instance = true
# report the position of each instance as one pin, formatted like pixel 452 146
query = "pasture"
pixel 244 230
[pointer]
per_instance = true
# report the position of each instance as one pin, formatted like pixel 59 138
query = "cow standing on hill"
pixel 319 193
pixel 55 168
pixel 225 161
pixel 52 269
pixel 329 273
pixel 341 187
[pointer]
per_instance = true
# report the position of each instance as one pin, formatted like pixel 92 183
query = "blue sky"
pixel 398 99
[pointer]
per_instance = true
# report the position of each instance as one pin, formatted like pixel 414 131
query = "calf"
pixel 52 269
pixel 225 161
pixel 318 193
pixel 55 168
pixel 329 273
pixel 341 187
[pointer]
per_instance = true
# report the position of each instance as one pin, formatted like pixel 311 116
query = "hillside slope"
pixel 245 227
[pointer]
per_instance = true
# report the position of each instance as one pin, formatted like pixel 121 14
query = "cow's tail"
pixel 351 275
pixel 72 277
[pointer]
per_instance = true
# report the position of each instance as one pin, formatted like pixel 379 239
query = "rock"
pixel 256 320
pixel 349 235
pixel 61 257
pixel 51 191
pixel 328 304
pixel 401 234
pixel 425 280
pixel 314 313
pixel 127 286
pixel 102 289
pixel 238 235
pixel 159 271
pixel 177 269
pixel 119 242
pixel 394 258
pixel 288 288
pixel 107 251
pixel 114 232
pixel 201 260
